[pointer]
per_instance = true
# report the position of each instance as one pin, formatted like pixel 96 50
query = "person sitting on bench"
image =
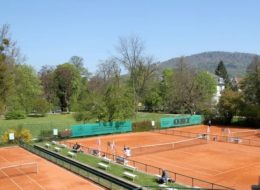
pixel 76 147
pixel 164 178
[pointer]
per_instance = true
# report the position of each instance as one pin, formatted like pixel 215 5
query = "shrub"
pixel 65 133
pixel 82 116
pixel 143 126
pixel 40 108
pixel 20 134
pixel 46 135
pixel 15 115
pixel 78 116
pixel 5 136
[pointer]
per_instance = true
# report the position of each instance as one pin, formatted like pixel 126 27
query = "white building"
pixel 220 88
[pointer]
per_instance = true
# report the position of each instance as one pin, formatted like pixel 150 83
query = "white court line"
pixel 25 175
pixel 33 180
pixel 12 180
pixel 234 169
pixel 187 166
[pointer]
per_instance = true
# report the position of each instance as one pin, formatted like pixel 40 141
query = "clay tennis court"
pixel 228 164
pixel 245 133
pixel 49 176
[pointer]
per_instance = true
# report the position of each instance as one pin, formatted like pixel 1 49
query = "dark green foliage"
pixel 82 116
pixel 143 126
pixel 67 84
pixel 230 104
pixel 45 135
pixel 40 107
pixel 15 115
pixel 222 72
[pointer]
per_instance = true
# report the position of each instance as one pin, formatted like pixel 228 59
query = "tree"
pixel 166 87
pixel 189 91
pixel 109 70
pixel 251 83
pixel 230 104
pixel 251 90
pixel 67 81
pixel 27 87
pixel 140 67
pixel 8 54
pixel 78 62
pixel 204 89
pixel 153 100
pixel 118 104
pixel 221 71
pixel 46 75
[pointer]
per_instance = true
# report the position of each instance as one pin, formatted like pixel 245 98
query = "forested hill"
pixel 236 63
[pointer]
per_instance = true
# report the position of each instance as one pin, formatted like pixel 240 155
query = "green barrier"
pixel 100 128
pixel 180 121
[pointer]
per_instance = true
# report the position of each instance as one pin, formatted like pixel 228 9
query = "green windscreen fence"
pixel 180 121
pixel 100 128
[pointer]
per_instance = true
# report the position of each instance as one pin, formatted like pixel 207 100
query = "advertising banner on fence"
pixel 99 128
pixel 177 121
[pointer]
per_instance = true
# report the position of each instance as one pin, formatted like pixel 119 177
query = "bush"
pixel 143 126
pixel 65 133
pixel 15 115
pixel 46 135
pixel 40 108
pixel 20 134
pixel 82 116
pixel 78 116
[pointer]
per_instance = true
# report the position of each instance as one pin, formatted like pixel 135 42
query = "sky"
pixel 49 32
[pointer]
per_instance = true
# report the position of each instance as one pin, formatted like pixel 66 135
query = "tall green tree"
pixel 7 62
pixel 221 71
pixel 141 68
pixel 230 104
pixel 251 83
pixel 67 82
pixel 46 76
pixel 27 87
pixel 190 91
pixel 251 90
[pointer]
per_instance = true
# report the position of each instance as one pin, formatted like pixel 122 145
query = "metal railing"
pixel 177 177
pixel 83 170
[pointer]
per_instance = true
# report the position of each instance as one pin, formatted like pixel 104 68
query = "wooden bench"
pixel 57 149
pixel 106 160
pixel 47 145
pixel 130 175
pixel 54 142
pixel 71 154
pixel 129 167
pixel 102 165
pixel 63 145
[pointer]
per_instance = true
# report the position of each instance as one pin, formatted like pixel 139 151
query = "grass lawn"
pixel 61 121
pixel 115 169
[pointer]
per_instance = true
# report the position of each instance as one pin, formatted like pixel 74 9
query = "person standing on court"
pixel 209 123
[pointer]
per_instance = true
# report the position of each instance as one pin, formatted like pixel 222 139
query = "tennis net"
pixel 244 133
pixel 147 149
pixel 18 169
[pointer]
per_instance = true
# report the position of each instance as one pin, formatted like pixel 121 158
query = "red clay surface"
pixel 49 176
pixel 232 165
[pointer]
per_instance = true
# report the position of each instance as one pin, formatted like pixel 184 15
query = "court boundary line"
pixel 196 169
pixel 234 169
pixel 12 180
